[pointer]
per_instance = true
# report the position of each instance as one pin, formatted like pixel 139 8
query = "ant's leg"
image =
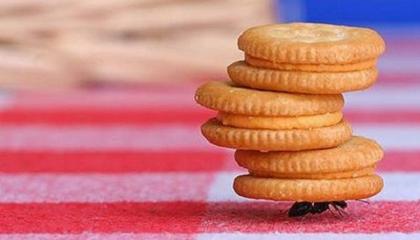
pixel 340 204
pixel 332 212
pixel 344 212
pixel 284 211
pixel 363 201
pixel 340 209
pixel 337 209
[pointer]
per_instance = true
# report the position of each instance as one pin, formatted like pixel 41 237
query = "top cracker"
pixel 309 43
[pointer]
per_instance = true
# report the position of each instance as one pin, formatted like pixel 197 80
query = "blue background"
pixel 374 13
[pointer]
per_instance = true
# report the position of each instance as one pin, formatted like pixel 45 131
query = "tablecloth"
pixel 130 163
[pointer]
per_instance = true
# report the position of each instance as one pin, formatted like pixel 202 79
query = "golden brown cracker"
pixel 275 140
pixel 281 122
pixel 330 175
pixel 262 63
pixel 357 153
pixel 312 190
pixel 226 97
pixel 309 43
pixel 299 81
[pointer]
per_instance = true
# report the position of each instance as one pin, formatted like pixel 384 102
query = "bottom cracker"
pixel 332 175
pixel 323 190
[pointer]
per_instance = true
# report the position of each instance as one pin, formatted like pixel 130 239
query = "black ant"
pixel 300 209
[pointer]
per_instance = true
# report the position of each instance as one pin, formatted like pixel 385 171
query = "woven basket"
pixel 71 43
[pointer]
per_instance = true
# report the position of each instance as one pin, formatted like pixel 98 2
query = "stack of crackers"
pixel 282 111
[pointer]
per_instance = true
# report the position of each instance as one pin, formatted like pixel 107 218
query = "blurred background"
pixel 99 129
pixel 78 44
pixel 62 44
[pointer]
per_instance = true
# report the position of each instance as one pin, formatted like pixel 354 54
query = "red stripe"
pixel 399 79
pixel 394 116
pixel 403 45
pixel 173 217
pixel 106 99
pixel 112 162
pixel 192 217
pixel 187 115
pixel 407 161
pixel 144 161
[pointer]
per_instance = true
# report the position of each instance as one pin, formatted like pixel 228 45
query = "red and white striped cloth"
pixel 131 164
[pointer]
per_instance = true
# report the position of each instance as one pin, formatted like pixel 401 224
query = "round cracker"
pixel 262 63
pixel 301 82
pixel 298 122
pixel 275 140
pixel 357 153
pixel 319 190
pixel 308 43
pixel 226 97
pixel 333 175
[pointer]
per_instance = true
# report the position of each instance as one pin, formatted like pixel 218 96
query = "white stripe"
pixel 32 137
pixel 157 187
pixel 383 98
pixel 378 96
pixel 313 236
pixel 95 236
pixel 391 136
pixel 6 100
pixel 103 187
pixel 221 189
pixel 110 100
pixel 403 63
pixel 398 186
pixel 161 137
